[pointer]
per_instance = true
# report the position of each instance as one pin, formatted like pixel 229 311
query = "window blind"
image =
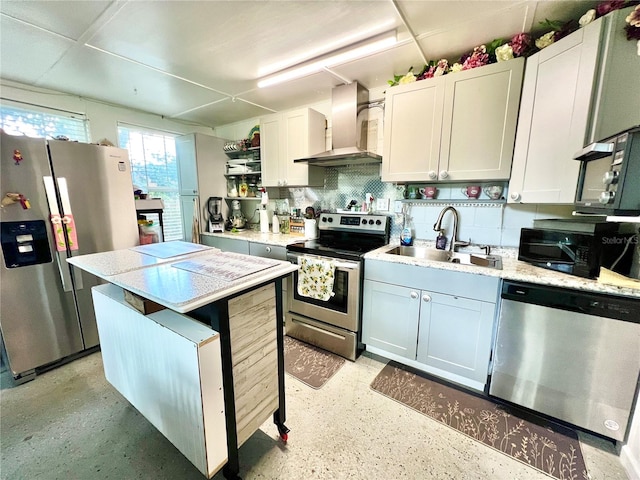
pixel 43 124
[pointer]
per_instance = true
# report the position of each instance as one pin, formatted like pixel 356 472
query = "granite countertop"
pixel 512 269
pixel 193 276
pixel 275 239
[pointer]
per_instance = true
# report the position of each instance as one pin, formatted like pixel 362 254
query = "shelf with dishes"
pixel 459 192
pixel 239 150
pixel 243 170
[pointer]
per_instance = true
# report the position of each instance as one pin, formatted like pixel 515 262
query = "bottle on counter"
pixel 275 225
pixel 406 236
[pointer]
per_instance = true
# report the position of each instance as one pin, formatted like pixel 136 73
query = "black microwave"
pixel 609 181
pixel 580 251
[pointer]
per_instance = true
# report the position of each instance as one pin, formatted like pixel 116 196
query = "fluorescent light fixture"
pixel 336 44
pixel 359 50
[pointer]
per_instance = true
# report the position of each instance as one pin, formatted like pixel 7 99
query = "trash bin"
pixel 149 233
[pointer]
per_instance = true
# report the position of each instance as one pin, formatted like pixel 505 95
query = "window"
pixel 154 169
pixel 43 123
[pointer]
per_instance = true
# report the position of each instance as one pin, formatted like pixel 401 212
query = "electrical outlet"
pixel 397 206
pixel 382 204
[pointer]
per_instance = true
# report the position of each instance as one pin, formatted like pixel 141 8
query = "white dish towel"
pixel 316 277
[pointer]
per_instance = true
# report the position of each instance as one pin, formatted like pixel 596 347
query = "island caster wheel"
pixel 284 432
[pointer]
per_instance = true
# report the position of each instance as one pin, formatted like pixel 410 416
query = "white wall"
pixel 103 118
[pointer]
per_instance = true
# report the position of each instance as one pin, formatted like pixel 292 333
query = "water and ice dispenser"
pixel 25 243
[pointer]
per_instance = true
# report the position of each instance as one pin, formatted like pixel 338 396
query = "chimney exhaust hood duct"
pixel 349 124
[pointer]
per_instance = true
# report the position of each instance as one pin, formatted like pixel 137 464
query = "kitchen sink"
pixel 421 252
pixel 478 259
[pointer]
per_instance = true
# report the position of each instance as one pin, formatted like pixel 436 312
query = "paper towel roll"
pixel 264 221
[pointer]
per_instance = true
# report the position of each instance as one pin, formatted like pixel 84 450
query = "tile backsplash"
pixel 488 223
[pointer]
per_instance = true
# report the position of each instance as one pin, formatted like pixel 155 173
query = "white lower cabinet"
pixel 439 321
pixel 455 334
pixel 390 318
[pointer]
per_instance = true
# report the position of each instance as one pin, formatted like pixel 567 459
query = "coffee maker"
pixel 214 213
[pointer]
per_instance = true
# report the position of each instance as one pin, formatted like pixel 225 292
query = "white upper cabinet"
pixel 452 128
pixel 579 90
pixel 285 137
pixel 412 131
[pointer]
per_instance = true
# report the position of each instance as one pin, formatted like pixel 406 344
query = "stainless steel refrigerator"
pixel 59 199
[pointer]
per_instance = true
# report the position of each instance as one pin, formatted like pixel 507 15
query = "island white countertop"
pixel 182 276
pixel 512 269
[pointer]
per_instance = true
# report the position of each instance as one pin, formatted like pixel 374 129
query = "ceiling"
pixel 199 61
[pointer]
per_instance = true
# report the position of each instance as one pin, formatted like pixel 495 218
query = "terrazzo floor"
pixel 69 423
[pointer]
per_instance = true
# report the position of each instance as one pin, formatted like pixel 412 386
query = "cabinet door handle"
pixel 515 196
pixel 426 298
pixel 433 175
pixel 444 174
pixel 268 249
pixel 414 295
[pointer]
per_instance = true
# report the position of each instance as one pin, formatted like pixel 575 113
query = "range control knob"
pixel 606 197
pixel 364 222
pixel 370 222
pixel 610 177
pixel 324 219
pixel 378 222
pixel 330 219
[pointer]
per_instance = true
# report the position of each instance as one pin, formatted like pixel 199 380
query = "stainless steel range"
pixel 335 324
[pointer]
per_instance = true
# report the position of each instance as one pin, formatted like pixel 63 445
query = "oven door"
pixel 342 309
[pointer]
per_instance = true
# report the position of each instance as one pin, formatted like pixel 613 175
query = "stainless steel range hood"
pixel 349 125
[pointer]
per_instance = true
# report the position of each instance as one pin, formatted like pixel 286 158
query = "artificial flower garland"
pixel 521 45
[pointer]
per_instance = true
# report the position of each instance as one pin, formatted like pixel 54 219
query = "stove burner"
pixel 347 237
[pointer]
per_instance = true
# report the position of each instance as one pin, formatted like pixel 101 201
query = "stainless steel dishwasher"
pixel 569 354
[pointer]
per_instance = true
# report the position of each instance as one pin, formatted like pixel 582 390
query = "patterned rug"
pixel 311 365
pixel 551 449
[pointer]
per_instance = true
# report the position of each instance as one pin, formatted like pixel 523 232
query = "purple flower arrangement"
pixel 523 45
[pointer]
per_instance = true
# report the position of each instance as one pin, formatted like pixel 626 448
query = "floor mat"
pixel 551 449
pixel 311 365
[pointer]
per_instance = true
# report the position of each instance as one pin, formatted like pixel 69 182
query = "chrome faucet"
pixel 438 226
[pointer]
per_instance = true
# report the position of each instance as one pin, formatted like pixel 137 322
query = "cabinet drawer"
pixel 227 244
pixel 267 251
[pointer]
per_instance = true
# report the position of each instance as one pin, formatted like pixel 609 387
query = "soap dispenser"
pixel 406 236
pixel 441 240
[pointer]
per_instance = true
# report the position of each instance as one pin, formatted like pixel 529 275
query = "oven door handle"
pixel 351 266
pixel 344 265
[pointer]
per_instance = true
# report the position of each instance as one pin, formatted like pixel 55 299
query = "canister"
pixel 310 228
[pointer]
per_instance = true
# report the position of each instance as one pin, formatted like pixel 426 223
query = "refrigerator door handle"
pixel 58 235
pixel 70 228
